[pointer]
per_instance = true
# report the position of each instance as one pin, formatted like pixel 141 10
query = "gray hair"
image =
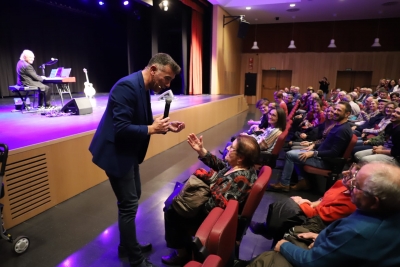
pixel 24 53
pixel 384 183
pixel 162 59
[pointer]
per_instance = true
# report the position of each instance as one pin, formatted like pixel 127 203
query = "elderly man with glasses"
pixel 368 237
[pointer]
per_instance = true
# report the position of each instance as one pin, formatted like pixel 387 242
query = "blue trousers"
pixel 127 189
pixel 293 162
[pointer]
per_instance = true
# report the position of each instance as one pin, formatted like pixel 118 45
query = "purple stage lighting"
pixel 126 3
pixel 101 3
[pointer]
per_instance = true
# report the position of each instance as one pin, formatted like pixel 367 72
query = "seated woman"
pixel 316 134
pixel 315 116
pixel 259 126
pixel 267 139
pixel 375 117
pixel 231 179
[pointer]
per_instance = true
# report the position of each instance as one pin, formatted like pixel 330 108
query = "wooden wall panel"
pixel 309 68
pixel 226 55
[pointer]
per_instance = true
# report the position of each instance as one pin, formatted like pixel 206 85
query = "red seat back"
pixel 256 193
pixel 349 149
pixel 279 143
pixel 205 228
pixel 222 238
pixel 211 261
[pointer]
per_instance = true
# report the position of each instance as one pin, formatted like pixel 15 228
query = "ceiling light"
pixel 255 46
pixel 376 43
pixel 248 8
pixel 126 3
pixel 101 3
pixel 292 46
pixel 332 44
pixel 292 5
pixel 164 5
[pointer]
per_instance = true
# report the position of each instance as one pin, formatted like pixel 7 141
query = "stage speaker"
pixel 78 106
pixel 243 28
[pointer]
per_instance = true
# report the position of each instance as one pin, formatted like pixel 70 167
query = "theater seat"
pixel 210 261
pixel 337 165
pixel 252 202
pixel 220 239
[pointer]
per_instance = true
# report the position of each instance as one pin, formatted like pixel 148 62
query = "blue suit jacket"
pixel 121 139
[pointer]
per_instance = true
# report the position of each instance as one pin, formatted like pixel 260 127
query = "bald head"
pixel 382 180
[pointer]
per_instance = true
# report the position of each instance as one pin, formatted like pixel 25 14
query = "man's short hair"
pixel 347 106
pixel 163 59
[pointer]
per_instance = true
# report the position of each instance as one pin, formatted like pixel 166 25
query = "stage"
pixel 49 161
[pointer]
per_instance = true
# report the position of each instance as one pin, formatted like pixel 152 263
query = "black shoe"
pixel 144 263
pixel 258 229
pixel 122 253
pixel 174 259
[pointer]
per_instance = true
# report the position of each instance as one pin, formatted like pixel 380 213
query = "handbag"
pixel 191 198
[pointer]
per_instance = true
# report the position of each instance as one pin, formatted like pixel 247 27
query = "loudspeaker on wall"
pixel 243 28
pixel 78 106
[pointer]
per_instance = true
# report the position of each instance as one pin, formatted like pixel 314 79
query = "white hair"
pixel 25 53
pixel 383 182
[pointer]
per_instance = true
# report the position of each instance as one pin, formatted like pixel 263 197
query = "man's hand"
pixel 176 126
pixel 278 245
pixel 250 122
pixel 304 156
pixel 159 126
pixel 366 142
pixel 308 235
pixel 310 147
pixel 303 136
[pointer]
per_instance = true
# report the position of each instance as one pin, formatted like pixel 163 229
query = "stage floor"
pixel 25 129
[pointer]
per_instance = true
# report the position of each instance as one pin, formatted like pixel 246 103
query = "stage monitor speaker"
pixel 243 28
pixel 78 106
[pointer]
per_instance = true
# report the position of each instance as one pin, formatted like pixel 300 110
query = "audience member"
pixel 368 237
pixel 231 178
pixel 335 204
pixel 324 86
pixel 333 146
pixel 390 151
pixel 278 96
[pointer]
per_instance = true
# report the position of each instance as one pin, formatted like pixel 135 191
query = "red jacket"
pixel 334 204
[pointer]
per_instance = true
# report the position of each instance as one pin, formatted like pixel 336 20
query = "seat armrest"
pixel 200 252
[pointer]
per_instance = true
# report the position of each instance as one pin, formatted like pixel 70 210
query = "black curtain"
pixel 81 34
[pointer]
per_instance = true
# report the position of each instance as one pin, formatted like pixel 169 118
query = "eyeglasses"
pixel 348 175
pixel 230 148
pixel 353 184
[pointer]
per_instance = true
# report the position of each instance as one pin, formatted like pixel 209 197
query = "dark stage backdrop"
pixel 80 35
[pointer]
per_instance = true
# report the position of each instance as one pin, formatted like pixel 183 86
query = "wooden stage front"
pixel 49 161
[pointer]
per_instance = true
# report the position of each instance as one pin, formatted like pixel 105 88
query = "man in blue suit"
pixel 121 140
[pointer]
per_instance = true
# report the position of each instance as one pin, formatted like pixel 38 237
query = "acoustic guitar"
pixel 89 89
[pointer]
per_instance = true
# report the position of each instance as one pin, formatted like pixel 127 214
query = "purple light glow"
pixel 126 3
pixel 101 3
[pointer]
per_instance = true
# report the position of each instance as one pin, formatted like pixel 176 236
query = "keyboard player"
pixel 26 76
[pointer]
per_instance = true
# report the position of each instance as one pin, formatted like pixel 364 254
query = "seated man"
pixel 390 151
pixel 333 146
pixel 26 76
pixel 335 204
pixel 367 238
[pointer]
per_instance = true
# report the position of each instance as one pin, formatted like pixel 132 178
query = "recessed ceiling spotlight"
pixel 292 5
pixel 248 7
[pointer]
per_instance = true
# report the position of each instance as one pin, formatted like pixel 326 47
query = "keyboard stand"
pixel 63 88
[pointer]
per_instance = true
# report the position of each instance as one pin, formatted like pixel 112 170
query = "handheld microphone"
pixel 167 106
pixel 54 59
